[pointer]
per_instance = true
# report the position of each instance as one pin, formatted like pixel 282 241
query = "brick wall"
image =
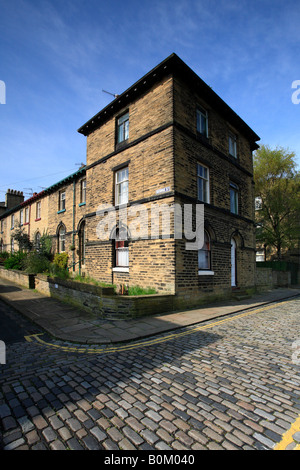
pixel 190 149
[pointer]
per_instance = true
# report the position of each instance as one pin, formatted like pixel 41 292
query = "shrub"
pixel 22 238
pixel 16 261
pixel 59 266
pixel 61 260
pixel 45 247
pixel 56 271
pixel 3 256
pixel 36 263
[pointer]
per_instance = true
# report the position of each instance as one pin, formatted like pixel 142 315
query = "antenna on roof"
pixel 31 191
pixel 112 94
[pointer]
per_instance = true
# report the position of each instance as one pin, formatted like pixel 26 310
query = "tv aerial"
pixel 112 94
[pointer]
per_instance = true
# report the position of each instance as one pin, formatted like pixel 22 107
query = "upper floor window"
pixel 234 198
pixel 123 128
pixel 62 200
pixel 2 225
pixel 21 216
pixel 26 215
pixel 121 186
pixel 38 210
pixel 203 183
pixel 202 121
pixel 83 191
pixel 232 145
pixel 12 221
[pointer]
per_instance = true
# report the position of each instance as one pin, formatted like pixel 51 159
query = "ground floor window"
pixel 62 239
pixel 121 248
pixel 204 255
pixel 37 241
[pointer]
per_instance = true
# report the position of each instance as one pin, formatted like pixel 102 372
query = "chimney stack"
pixel 13 198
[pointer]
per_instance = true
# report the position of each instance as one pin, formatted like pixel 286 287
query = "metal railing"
pixel 80 262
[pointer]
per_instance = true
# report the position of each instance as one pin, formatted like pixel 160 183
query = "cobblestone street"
pixel 222 384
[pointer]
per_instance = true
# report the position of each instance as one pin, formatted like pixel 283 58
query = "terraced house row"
pixel 168 140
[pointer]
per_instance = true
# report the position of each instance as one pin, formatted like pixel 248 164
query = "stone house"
pixel 57 210
pixel 168 142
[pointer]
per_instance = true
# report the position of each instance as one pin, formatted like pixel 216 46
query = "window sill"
pixel 36 220
pixel 122 206
pixel 60 212
pixel 121 145
pixel 121 269
pixel 206 273
pixel 81 204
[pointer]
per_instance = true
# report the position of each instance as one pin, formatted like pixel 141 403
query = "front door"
pixel 233 263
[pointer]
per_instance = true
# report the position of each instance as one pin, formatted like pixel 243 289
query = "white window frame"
pixel 123 128
pixel 12 245
pixel 12 221
pixel 62 239
pixel 121 186
pixel 38 210
pixel 205 270
pixel 258 203
pixel 232 144
pixel 62 200
pixel 121 250
pixel 203 183
pixel 83 191
pixel 202 121
pixel 260 255
pixel 26 215
pixel 21 216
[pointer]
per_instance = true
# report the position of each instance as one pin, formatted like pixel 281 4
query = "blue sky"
pixel 57 56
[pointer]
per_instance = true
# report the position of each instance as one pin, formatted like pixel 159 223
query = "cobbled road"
pixel 230 384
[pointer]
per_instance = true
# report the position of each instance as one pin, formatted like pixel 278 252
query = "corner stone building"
pixel 168 140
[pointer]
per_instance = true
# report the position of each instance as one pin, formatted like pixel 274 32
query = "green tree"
pixel 45 248
pixel 277 189
pixel 22 238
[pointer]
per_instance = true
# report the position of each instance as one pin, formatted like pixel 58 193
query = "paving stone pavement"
pixel 231 385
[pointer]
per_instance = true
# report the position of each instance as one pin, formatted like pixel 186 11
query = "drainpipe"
pixel 73 235
pixel 29 217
